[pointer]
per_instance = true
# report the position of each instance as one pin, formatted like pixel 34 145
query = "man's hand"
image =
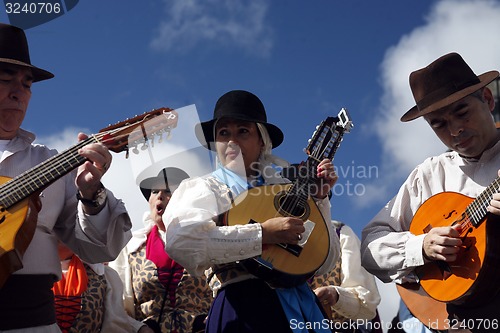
pixel 88 179
pixel 494 207
pixel 442 243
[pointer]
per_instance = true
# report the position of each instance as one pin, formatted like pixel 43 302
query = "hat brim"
pixel 170 177
pixel 38 73
pixel 484 80
pixel 205 133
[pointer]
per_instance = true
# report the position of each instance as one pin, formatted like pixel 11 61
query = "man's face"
pixel 466 126
pixel 15 94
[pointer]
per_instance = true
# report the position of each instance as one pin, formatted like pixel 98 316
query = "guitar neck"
pixel 476 211
pixel 42 175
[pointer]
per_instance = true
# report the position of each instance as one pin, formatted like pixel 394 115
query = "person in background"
pixel 76 209
pixel 349 290
pixel 159 291
pixel 457 105
pixel 89 298
pixel 198 240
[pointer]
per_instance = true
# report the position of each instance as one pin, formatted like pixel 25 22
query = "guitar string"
pixel 303 183
pixel 28 182
pixel 476 211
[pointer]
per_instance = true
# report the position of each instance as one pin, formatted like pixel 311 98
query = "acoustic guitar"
pixel 19 202
pixel 473 277
pixel 287 265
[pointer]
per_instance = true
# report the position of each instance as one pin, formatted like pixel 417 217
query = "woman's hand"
pixel 282 230
pixel 326 179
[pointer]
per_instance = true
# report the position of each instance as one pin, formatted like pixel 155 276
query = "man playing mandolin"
pixel 95 226
pixel 434 231
pixel 195 236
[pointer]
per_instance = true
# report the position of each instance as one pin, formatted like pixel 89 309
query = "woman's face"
pixel 238 144
pixel 158 200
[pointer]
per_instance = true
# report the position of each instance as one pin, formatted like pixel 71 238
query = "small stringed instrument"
pixel 427 310
pixel 286 265
pixel 472 278
pixel 19 202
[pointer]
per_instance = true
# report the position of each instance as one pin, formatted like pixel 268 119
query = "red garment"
pixel 169 272
pixel 68 293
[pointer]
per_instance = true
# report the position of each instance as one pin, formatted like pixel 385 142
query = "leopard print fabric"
pixel 192 296
pixel 332 278
pixel 91 316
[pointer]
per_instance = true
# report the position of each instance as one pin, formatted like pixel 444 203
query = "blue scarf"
pixel 299 303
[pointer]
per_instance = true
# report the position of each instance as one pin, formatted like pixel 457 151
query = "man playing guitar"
pixel 427 232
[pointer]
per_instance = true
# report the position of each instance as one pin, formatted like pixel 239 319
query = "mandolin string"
pixel 36 178
pixel 476 211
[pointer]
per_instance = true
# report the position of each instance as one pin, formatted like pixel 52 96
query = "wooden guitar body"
pixel 17 227
pixel 473 276
pixel 282 265
pixel 427 310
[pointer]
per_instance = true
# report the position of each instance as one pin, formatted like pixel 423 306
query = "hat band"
pixel 444 92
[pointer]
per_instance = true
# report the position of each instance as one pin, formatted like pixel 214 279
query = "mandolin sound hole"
pixel 287 205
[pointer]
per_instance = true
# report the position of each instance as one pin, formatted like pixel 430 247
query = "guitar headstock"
pixel 328 135
pixel 118 137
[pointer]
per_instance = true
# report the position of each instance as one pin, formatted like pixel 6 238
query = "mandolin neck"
pixel 42 175
pixel 477 209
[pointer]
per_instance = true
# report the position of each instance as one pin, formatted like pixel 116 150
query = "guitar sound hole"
pixel 287 205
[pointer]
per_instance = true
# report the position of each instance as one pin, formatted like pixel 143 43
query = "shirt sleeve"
pixel 358 293
pixel 388 249
pixel 192 237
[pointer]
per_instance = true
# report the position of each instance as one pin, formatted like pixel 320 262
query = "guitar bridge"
pixel 296 249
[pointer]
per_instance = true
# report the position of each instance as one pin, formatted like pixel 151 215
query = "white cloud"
pixel 224 23
pixel 467 27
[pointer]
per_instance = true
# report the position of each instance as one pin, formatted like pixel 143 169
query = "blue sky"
pixel 306 60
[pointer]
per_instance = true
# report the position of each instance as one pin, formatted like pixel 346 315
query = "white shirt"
pixel 195 241
pixel 94 238
pixel 358 293
pixel 388 249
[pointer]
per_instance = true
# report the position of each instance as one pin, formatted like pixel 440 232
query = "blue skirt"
pixel 249 306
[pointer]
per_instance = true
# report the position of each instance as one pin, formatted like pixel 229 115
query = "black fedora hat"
pixel 443 82
pixel 169 177
pixel 241 105
pixel 14 50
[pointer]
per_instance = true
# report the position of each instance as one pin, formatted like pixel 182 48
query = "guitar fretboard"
pixel 44 174
pixel 476 210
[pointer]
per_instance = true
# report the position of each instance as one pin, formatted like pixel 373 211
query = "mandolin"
pixel 19 202
pixel 472 278
pixel 287 265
